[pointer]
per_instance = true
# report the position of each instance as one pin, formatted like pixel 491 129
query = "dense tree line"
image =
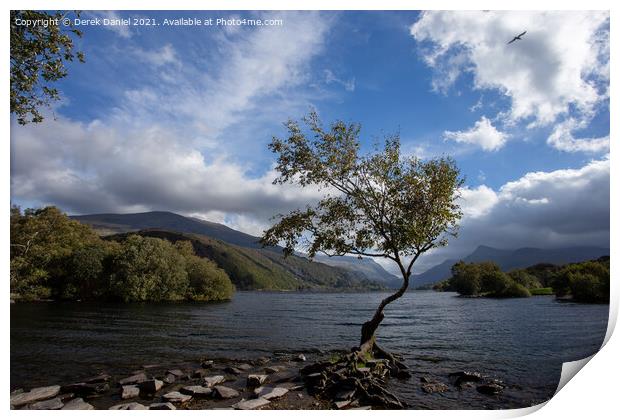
pixel 584 282
pixel 54 257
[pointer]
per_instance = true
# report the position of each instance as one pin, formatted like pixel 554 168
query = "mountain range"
pixel 510 259
pixel 252 267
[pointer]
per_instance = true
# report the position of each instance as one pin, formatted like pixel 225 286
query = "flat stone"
pixel 211 381
pixel 104 377
pixel 162 406
pixel 66 396
pixel 177 372
pixel 78 404
pixel 130 391
pixel 176 397
pixel 128 406
pixel 53 404
pixel 364 370
pixel 365 407
pixel 256 380
pixel 274 369
pixel 170 378
pixel 431 388
pixel 245 367
pixel 197 391
pixel 133 379
pixel 269 393
pixel 490 389
pixel 200 373
pixel 84 389
pixel 233 370
pixel 251 404
pixel 223 392
pixel 151 386
pixel 283 376
pixel 34 395
pixel 344 395
pixel 341 404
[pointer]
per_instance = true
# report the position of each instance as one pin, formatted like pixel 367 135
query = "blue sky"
pixel 178 118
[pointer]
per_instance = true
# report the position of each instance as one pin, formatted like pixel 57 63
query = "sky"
pixel 178 118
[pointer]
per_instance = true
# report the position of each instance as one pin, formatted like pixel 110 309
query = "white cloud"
pixel 556 65
pixel 330 77
pixel 477 202
pixel 556 209
pixel 562 138
pixel 165 145
pixel 557 73
pixel 483 134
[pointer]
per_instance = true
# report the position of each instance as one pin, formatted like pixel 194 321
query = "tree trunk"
pixel 367 341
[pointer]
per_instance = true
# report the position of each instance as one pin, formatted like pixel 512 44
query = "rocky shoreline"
pixel 279 382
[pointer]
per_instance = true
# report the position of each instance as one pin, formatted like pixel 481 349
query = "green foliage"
pixel 484 278
pixel 586 281
pixel 515 290
pixel 207 281
pixel 55 257
pixel 524 278
pixel 39 54
pixel 148 269
pixel 42 241
pixel 264 269
pixel 379 205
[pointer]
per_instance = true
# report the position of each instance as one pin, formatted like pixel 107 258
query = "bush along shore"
pixel 279 382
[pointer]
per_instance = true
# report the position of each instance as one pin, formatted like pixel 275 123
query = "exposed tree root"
pixel 359 375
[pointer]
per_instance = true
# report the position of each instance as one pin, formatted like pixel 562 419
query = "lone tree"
pixel 41 46
pixel 382 204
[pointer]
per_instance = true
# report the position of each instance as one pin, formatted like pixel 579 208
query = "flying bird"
pixel 518 37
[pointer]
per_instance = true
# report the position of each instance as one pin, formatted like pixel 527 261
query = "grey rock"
pixel 129 391
pixel 176 397
pixel 177 372
pixel 283 376
pixel 256 380
pixel 431 388
pixel 233 370
pixel 342 404
pixel 170 378
pixel 104 377
pixel 78 404
pixel 490 389
pixel 128 406
pixel 200 373
pixel 223 392
pixel 269 393
pixel 344 395
pixel 151 386
pixel 86 389
pixel 251 404
pixel 34 395
pixel 53 404
pixel 211 381
pixel 299 358
pixel 197 391
pixel 244 367
pixel 133 379
pixel 274 369
pixel 162 406
pixel 365 407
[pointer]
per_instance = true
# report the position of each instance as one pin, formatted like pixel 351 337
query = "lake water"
pixel 520 341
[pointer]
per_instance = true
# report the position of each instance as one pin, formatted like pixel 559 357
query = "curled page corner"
pixel 569 370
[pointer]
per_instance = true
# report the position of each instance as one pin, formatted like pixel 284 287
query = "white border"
pixel 592 394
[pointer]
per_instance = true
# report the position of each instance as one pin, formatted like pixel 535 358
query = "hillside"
pixel 509 259
pixel 108 224
pixel 263 269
